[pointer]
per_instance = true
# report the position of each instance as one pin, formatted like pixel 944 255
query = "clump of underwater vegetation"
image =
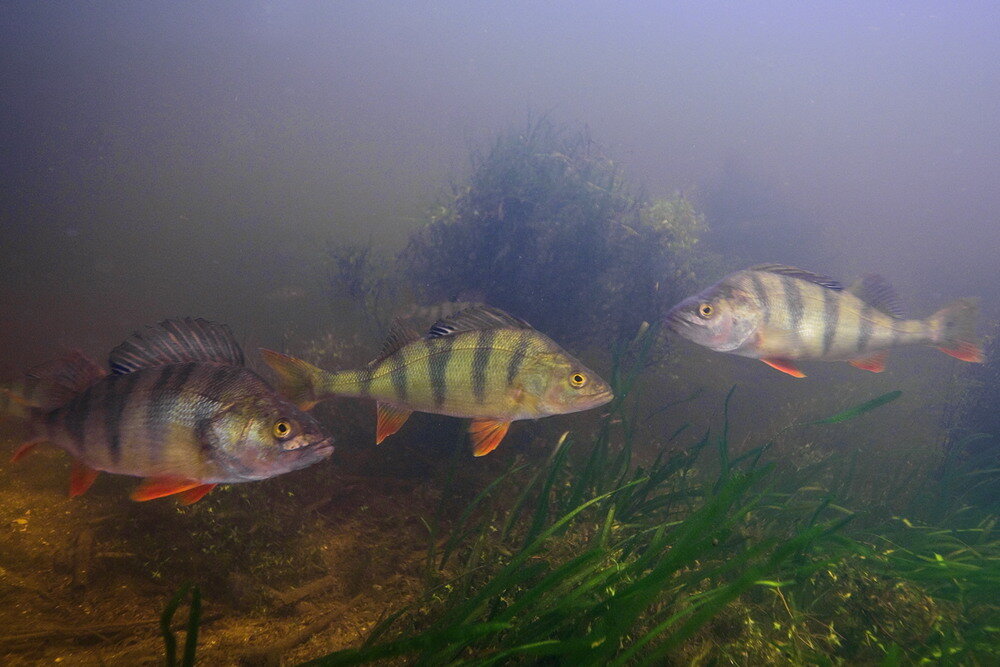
pixel 972 452
pixel 549 229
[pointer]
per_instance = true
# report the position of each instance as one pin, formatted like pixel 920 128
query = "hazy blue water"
pixel 176 158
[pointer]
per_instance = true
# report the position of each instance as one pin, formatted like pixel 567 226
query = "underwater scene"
pixel 466 333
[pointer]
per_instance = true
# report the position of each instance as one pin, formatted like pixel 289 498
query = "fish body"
pixel 781 314
pixel 179 409
pixel 480 363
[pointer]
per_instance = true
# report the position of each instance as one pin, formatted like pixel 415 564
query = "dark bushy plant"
pixel 548 229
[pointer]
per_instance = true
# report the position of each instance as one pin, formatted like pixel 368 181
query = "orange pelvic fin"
pixel 874 363
pixel 785 366
pixel 81 478
pixel 486 434
pixel 158 487
pixel 390 420
pixel 966 351
pixel 192 496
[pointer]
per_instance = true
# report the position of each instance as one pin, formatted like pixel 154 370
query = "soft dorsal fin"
pixel 399 336
pixel 475 319
pixel 879 294
pixel 177 341
pixel 793 272
pixel 61 379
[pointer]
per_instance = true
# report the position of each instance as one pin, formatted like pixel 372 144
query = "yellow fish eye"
pixel 578 379
pixel 282 429
pixel 705 310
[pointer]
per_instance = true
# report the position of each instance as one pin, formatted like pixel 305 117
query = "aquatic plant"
pixel 193 625
pixel 596 560
pixel 970 471
pixel 548 228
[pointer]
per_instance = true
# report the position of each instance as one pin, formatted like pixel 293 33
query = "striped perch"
pixel 179 409
pixel 479 363
pixel 780 314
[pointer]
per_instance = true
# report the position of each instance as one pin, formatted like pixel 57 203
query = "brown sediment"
pixel 289 569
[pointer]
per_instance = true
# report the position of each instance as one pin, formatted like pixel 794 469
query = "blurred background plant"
pixel 548 228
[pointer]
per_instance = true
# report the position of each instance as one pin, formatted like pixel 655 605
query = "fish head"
pixel 561 384
pixel 723 317
pixel 264 436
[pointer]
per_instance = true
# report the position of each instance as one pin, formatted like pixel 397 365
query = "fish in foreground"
pixel 479 363
pixel 179 409
pixel 780 314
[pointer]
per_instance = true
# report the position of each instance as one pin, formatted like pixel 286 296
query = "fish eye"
pixel 282 429
pixel 578 379
pixel 705 310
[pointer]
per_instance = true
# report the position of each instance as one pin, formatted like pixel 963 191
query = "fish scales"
pixel 479 363
pixel 779 313
pixel 448 374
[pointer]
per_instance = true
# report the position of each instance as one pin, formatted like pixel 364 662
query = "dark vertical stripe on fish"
pixel 439 352
pixel 517 358
pixel 161 403
pixel 179 378
pixel 114 405
pixel 831 314
pixel 364 379
pixel 480 360
pixel 793 300
pixel 758 288
pixel 398 375
pixel 865 328
pixel 76 418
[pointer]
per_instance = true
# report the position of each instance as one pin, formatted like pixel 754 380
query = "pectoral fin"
pixel 874 363
pixel 785 366
pixel 389 420
pixel 81 478
pixel 486 434
pixel 158 487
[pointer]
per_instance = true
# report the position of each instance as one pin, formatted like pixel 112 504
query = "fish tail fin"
pixel 953 330
pixel 296 378
pixel 55 383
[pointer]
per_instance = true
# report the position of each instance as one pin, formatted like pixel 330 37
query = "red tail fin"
pixel 954 330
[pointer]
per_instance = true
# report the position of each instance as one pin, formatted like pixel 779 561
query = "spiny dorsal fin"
pixel 475 319
pixel 879 294
pixel 177 341
pixel 57 381
pixel 399 336
pixel 794 272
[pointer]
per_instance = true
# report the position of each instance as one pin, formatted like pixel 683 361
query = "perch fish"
pixel 780 314
pixel 179 409
pixel 479 363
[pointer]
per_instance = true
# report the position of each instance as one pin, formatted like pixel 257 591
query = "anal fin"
pixel 389 420
pixel 875 363
pixel 81 478
pixel 192 496
pixel 486 434
pixel 158 487
pixel 784 365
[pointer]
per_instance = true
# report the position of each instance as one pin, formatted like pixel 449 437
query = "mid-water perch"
pixel 179 409
pixel 780 314
pixel 479 363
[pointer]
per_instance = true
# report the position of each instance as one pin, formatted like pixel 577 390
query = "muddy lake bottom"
pixel 288 570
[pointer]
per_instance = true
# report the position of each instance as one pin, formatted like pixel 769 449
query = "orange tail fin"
pixel 954 330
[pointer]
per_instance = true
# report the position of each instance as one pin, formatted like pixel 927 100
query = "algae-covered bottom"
pixel 295 568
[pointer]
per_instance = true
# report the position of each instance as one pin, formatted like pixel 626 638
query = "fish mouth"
pixel 324 447
pixel 678 317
